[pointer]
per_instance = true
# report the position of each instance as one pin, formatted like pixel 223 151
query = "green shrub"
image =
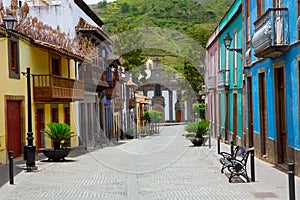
pixel 153 116
pixel 199 128
pixel 202 128
pixel 191 127
pixel 58 132
pixel 130 131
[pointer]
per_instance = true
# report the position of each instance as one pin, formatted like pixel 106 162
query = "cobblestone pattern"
pixel 165 166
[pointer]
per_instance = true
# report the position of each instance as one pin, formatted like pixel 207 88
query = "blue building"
pixel 271 66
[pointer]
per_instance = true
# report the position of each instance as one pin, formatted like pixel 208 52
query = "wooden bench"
pixel 236 163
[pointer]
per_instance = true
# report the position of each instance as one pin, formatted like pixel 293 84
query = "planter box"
pixel 56 155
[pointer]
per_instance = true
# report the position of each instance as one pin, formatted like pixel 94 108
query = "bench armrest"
pixel 226 155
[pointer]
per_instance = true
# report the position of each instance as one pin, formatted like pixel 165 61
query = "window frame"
pixel 14 74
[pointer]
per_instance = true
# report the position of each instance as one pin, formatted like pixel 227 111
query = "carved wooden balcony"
pixel 95 78
pixel 51 88
pixel 119 104
pixel 270 39
pixel 131 103
pixel 115 91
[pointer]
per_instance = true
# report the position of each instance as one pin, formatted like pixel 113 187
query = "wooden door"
pixel 235 119
pixel 40 126
pixel 226 116
pixel 263 113
pixel 67 121
pixel 178 116
pixel 14 127
pixel 250 113
pixel 280 114
pixel 82 124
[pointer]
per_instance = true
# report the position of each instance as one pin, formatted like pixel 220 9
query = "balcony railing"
pixel 119 104
pixel 51 88
pixel 270 39
pixel 211 82
pixel 223 78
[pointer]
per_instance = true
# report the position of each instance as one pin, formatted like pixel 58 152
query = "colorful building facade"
pixel 271 30
pixel 224 76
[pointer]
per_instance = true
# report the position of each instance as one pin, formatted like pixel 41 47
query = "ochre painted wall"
pixel 37 59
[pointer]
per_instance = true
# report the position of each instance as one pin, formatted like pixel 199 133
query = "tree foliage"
pixel 199 109
pixel 128 44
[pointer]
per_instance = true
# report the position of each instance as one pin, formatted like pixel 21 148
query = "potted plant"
pixel 58 133
pixel 197 132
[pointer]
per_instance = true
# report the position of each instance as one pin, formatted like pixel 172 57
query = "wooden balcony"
pixel 270 39
pixel 119 104
pixel 95 79
pixel 51 88
pixel 131 103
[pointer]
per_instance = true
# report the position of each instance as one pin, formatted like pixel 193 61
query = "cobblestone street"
pixel 163 166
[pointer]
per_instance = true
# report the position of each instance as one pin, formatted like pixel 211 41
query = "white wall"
pixel 66 15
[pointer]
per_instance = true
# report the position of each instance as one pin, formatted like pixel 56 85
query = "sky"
pixel 95 1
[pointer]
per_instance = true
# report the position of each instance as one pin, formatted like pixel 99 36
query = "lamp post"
pixel 29 150
pixel 10 24
pixel 227 42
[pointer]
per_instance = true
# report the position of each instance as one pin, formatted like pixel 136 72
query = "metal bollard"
pixel 231 148
pixel 209 141
pixel 218 145
pixel 252 166
pixel 11 167
pixel 291 181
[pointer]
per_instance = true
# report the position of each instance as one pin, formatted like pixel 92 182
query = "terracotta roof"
pixel 83 25
pixel 89 12
pixel 142 101
pixel 130 83
pixel 138 95
pixel 58 49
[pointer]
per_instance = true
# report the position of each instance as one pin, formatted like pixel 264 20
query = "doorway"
pixel 250 113
pixel 280 114
pixel 263 113
pixel 235 119
pixel 40 125
pixel 13 126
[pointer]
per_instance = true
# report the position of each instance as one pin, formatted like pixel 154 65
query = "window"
pixel 54 114
pixel 220 57
pixel 55 64
pixel 13 60
pixel 248 37
pixel 235 38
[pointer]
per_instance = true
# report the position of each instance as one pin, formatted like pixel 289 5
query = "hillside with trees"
pixel 175 30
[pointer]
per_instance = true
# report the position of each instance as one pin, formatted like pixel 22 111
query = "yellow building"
pixel 53 86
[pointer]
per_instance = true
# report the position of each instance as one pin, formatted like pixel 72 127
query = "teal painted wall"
pixel 231 23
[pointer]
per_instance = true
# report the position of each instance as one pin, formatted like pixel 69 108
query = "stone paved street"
pixel 163 166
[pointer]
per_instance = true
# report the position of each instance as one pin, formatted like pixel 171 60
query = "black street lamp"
pixel 227 42
pixel 10 24
pixel 29 150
